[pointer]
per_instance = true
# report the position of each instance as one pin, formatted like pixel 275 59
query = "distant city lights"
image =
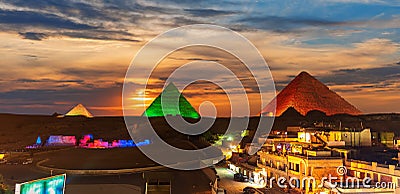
pixel 87 141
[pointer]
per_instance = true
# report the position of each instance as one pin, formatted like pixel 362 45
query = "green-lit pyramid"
pixel 170 107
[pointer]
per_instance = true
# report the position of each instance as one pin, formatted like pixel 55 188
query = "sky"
pixel 57 53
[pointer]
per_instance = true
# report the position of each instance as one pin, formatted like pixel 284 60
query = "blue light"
pixel 38 141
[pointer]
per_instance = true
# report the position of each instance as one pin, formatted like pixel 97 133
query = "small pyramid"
pixel 292 113
pixel 168 95
pixel 79 110
pixel 305 93
pixel 38 140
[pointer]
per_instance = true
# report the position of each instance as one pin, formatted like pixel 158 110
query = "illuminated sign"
pixel 50 185
pixel 61 140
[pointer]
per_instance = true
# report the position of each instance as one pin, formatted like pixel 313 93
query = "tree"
pixel 3 186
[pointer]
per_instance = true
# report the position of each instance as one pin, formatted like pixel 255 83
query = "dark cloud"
pixel 104 20
pixel 69 8
pixel 199 4
pixel 367 86
pixel 132 6
pixel 48 101
pixel 193 59
pixel 183 20
pixel 33 35
pixel 363 76
pixel 348 90
pixel 384 77
pixel 208 12
pixel 71 19
pixel 31 56
pixel 95 34
pixel 29 18
pixel 23 80
pixel 284 24
pixel 102 35
pixel 347 70
pixel 93 73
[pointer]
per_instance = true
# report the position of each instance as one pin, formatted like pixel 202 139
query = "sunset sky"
pixel 55 54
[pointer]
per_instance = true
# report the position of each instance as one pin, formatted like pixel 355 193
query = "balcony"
pixel 315 157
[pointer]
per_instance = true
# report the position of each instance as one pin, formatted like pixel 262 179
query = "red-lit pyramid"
pixel 305 93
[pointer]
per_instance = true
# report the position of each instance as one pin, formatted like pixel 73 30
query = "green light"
pixel 157 109
pixel 245 133
pixel 51 185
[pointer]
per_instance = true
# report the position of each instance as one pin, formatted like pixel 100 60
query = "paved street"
pixel 195 181
pixel 227 182
pixel 234 187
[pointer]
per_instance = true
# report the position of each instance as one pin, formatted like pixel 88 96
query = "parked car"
pixel 249 190
pixel 240 177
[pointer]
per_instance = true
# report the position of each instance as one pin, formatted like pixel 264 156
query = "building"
pixel 384 138
pixel 396 142
pixel 336 138
pixel 310 165
pixel 303 163
pixel 384 178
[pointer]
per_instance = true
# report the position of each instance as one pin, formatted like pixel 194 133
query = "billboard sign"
pixel 49 185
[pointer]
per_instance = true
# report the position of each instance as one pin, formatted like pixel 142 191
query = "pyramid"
pixel 169 94
pixel 79 110
pixel 305 93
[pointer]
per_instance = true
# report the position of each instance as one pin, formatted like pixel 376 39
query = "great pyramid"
pixel 79 110
pixel 305 93
pixel 169 94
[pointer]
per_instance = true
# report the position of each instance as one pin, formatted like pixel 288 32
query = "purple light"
pixel 60 140
pixel 99 143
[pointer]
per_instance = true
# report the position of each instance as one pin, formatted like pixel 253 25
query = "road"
pixel 234 187
pixel 227 182
pixel 194 181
